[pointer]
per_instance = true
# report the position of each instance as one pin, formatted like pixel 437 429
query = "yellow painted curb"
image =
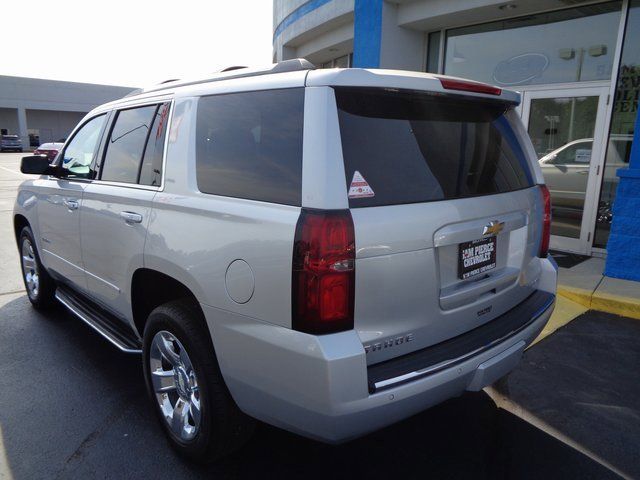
pixel 578 295
pixel 616 304
pixel 603 302
pixel 565 311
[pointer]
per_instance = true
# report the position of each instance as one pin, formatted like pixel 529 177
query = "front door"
pixel 566 127
pixel 60 201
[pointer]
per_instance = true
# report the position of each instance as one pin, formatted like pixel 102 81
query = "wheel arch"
pixel 19 222
pixel 152 288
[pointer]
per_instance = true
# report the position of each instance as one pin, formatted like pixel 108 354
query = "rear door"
pixel 116 206
pixel 445 211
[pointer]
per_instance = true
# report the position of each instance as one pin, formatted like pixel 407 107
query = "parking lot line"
pixel 10 171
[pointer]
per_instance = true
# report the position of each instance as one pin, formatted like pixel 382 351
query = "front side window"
pixel 80 151
pixel 126 143
pixel 249 145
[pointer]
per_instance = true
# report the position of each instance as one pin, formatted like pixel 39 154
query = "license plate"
pixel 476 257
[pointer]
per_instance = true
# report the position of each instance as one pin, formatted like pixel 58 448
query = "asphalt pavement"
pixel 72 406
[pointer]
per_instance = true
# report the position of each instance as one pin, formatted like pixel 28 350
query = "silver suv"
pixel 327 251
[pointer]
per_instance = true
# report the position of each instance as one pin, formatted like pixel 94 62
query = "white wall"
pixel 400 48
pixel 52 125
pixel 22 94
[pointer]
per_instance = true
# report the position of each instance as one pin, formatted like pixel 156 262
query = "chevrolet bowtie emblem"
pixel 493 228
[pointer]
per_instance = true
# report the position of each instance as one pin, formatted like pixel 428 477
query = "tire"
pixel 41 288
pixel 177 331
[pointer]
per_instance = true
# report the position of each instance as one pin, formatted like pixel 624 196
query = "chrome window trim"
pixel 149 102
pixel 126 185
pixel 137 186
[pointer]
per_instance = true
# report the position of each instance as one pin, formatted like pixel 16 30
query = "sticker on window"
pixel 583 155
pixel 359 187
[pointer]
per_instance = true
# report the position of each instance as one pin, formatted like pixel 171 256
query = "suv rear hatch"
pixel 446 214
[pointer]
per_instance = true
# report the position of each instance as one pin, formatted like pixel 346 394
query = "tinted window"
pixel 249 145
pixel 151 171
pixel 79 152
pixel 415 147
pixel 126 144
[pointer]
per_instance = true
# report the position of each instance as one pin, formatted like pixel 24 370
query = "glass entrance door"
pixel 566 129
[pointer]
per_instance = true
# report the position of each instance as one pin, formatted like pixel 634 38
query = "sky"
pixel 134 42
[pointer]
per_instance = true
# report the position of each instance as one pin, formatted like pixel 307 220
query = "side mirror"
pixel 36 164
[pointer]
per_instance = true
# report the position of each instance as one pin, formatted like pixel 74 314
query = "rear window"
pixel 404 146
pixel 249 145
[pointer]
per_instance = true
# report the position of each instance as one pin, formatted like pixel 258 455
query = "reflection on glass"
pixel 625 109
pixel 571 45
pixel 433 53
pixel 561 130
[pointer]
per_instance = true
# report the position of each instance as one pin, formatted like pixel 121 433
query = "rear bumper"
pixel 317 386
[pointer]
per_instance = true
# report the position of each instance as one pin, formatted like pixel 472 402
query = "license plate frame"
pixel 481 255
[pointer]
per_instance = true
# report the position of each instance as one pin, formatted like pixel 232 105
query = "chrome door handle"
pixel 131 217
pixel 70 204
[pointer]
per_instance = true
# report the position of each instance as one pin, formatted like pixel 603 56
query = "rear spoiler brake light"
pixel 467 86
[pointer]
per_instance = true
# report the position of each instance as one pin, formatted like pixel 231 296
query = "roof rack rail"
pixel 292 65
pixel 233 67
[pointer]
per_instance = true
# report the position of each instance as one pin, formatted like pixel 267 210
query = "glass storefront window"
pixel 563 46
pixel 344 61
pixel 625 110
pixel 433 52
pixel 561 130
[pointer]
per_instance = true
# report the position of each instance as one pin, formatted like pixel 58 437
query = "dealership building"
pixel 576 63
pixel 41 111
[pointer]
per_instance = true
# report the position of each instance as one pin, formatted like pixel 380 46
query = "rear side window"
pixel 151 170
pixel 410 147
pixel 136 145
pixel 249 145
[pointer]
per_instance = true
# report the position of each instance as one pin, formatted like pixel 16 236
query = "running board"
pixel 106 324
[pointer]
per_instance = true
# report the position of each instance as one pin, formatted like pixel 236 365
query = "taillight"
pixel 323 279
pixel 546 221
pixel 467 86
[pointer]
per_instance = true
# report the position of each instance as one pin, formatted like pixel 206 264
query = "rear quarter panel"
pixel 194 237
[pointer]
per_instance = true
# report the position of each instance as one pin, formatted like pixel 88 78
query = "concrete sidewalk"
pixel 586 285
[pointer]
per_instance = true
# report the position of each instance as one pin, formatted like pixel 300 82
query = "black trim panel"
pixel 459 348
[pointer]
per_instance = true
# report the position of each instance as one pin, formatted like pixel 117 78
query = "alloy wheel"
pixel 30 269
pixel 175 385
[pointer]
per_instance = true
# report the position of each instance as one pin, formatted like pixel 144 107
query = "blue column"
pixel 367 33
pixel 623 247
